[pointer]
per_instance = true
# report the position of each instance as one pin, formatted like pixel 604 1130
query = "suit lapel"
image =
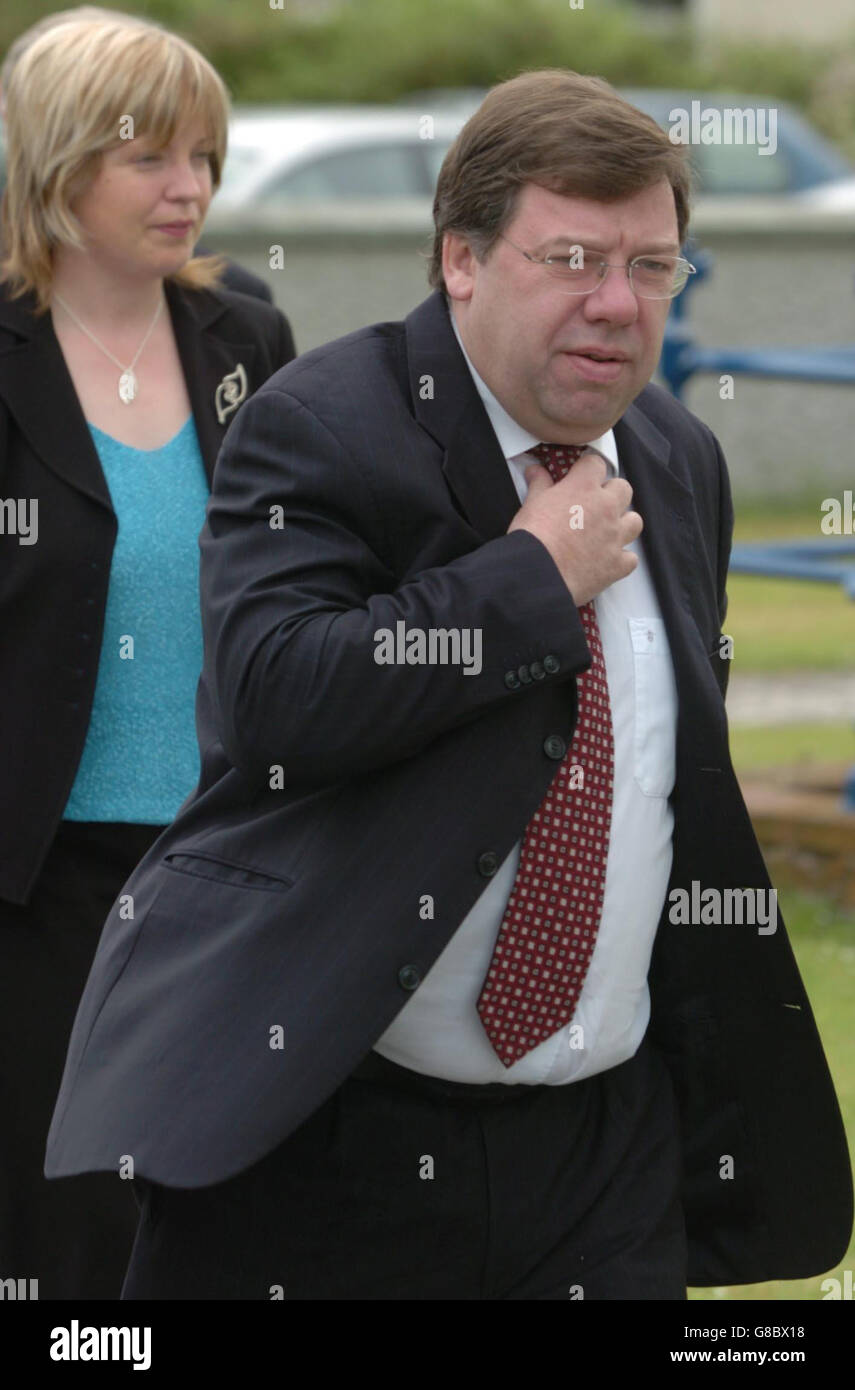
pixel 673 545
pixel 208 356
pixel 40 395
pixel 477 472
pixel 448 406
pixel 665 505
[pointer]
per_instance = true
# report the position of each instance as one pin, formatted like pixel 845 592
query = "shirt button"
pixel 551 664
pixel 537 670
pixel 554 747
pixel 512 680
pixel 488 863
pixel 409 977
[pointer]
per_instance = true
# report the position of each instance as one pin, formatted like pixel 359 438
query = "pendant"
pixel 127 386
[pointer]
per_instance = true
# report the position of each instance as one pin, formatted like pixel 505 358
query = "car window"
pixel 368 171
pixel 741 169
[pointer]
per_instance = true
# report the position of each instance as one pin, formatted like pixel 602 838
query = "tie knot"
pixel 558 458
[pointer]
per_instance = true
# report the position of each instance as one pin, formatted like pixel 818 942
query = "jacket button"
pixel 488 863
pixel 524 674
pixel 554 747
pixel 512 680
pixel 409 977
pixel 537 670
pixel 551 664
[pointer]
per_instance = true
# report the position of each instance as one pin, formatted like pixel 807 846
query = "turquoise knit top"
pixel 140 760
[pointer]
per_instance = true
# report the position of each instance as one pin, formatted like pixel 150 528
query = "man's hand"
pixel 583 523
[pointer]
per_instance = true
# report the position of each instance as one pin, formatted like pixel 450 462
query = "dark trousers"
pixel 73 1235
pixel 406 1187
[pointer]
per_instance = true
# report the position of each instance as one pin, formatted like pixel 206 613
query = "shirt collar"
pixel 513 439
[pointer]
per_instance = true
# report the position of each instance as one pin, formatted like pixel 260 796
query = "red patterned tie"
pixel 547 936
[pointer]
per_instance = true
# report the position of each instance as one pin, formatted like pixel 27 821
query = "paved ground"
pixel 803 697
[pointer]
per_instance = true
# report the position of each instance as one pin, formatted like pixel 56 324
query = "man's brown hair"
pixel 571 134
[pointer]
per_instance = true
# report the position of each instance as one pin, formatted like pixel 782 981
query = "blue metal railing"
pixel 682 357
pixel 823 562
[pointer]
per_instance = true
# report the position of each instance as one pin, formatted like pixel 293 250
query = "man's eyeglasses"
pixel 581 271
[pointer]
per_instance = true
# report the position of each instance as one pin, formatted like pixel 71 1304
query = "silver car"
pixel 282 159
pixel 377 165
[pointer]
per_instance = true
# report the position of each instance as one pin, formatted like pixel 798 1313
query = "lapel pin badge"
pixel 230 392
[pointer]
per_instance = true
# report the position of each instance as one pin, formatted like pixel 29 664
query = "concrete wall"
pixel 780 438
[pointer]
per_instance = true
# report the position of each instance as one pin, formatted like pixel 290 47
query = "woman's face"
pixel 144 210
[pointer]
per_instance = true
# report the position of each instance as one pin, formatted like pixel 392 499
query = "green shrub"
pixel 379 50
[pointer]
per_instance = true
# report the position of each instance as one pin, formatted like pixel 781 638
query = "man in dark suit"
pixel 436 988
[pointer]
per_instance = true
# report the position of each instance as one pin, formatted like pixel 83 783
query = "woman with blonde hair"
pixel 234 276
pixel 122 363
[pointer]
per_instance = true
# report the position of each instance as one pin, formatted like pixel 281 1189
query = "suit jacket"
pixel 237 277
pixel 335 792
pixel 53 594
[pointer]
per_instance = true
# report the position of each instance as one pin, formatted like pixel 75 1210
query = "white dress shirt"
pixel 439 1032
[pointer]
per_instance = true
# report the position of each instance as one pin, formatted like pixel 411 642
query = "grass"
pixel 823 940
pixel 755 747
pixel 787 625
pixel 797 516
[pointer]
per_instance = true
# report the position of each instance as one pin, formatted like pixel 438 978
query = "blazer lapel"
pixel 666 507
pixel 448 406
pixel 673 545
pixel 210 358
pixel 37 387
pixel 38 390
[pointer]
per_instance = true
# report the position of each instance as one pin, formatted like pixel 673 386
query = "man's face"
pixel 526 338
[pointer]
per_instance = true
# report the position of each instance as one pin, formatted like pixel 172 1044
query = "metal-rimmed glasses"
pixel 651 276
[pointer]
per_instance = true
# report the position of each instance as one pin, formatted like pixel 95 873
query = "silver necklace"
pixel 128 384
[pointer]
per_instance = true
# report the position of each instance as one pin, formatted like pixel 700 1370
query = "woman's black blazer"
pixel 53 584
